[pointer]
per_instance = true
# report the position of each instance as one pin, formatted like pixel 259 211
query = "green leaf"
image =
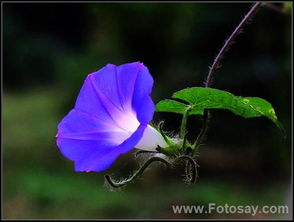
pixel 168 105
pixel 200 98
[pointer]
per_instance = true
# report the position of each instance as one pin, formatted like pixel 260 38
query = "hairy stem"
pixel 183 131
pixel 138 153
pixel 203 130
pixel 217 60
pixel 229 41
pixel 135 175
pixel 191 168
pixel 184 123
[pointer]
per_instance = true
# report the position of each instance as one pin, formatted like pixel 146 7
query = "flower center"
pixel 127 124
pixel 151 139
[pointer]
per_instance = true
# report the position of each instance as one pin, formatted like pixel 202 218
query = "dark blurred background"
pixel 48 49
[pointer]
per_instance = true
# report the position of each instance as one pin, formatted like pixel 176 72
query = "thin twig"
pixel 203 130
pixel 135 175
pixel 138 153
pixel 217 60
pixel 229 41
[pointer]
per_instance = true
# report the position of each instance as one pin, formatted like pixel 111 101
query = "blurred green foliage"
pixel 288 7
pixel 48 49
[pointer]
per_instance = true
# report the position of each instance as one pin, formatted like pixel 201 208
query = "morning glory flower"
pixel 111 116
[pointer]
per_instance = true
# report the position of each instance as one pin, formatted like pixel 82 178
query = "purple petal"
pixel 142 102
pixel 102 158
pixel 127 75
pixel 92 155
pixel 111 113
pixel 144 109
pixel 79 125
pixel 93 101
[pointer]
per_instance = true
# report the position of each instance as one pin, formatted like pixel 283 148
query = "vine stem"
pixel 201 135
pixel 183 131
pixel 216 63
pixel 229 41
pixel 135 175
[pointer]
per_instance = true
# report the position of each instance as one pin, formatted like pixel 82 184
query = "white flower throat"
pixel 128 124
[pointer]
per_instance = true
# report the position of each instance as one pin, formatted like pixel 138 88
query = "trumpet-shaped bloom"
pixel 110 117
